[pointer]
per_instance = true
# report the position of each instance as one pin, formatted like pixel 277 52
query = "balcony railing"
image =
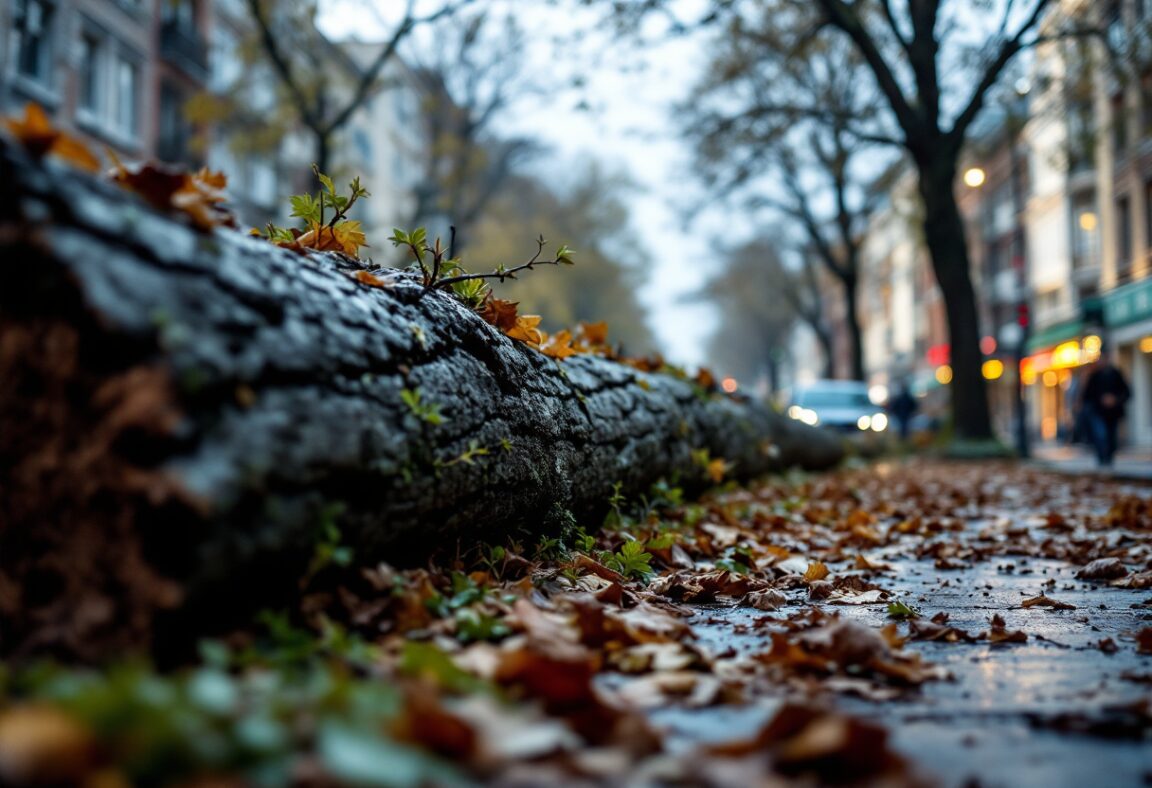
pixel 184 48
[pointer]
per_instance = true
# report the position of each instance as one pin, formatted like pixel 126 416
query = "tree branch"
pixel 279 58
pixel 846 18
pixel 991 74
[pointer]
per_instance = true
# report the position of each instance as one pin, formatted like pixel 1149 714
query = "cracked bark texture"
pixel 178 408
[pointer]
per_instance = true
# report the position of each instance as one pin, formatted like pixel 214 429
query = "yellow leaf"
pixel 718 469
pixel 526 331
pixel 816 571
pixel 349 237
pixel 559 345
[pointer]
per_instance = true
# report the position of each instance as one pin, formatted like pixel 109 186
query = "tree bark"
pixel 947 247
pixel 852 319
pixel 179 409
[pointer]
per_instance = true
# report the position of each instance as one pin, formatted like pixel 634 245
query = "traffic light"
pixel 1022 315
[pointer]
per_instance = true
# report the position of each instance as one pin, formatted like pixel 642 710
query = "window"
pixel 1119 123
pixel 32 39
pixel 1148 216
pixel 108 85
pixel 172 144
pixel 1124 236
pixel 181 13
pixel 126 89
pixel 1084 230
pixel 1117 36
pixel 1081 136
pixel 89 67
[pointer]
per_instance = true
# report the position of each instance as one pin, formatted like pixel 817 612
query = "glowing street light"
pixel 974 177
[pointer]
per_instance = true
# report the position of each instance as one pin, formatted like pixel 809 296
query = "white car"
pixel 842 405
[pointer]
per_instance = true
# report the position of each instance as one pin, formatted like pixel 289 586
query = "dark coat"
pixel 1102 382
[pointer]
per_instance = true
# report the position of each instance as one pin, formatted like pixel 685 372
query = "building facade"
pixel 113 72
pixel 1057 197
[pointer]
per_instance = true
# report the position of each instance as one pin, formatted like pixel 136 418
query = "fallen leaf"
pixel 816 571
pixel 1044 601
pixel 999 633
pixel 370 279
pixel 1136 580
pixel 1103 569
pixel 37 135
pixel 499 312
pixel 526 329
pixel 718 469
pixel 768 599
pixel 197 195
pixel 558 345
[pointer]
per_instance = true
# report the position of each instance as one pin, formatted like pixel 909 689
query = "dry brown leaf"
pixel 1045 601
pixel 1103 569
pixel 999 633
pixel 499 312
pixel 198 195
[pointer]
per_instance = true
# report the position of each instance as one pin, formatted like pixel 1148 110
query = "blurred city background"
pixel 716 220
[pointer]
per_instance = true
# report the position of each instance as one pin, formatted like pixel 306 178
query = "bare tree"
pixel 761 300
pixel 934 64
pixel 322 85
pixel 814 162
pixel 466 81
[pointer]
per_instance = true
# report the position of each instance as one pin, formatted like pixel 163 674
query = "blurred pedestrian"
pixel 903 407
pixel 1105 394
pixel 1074 402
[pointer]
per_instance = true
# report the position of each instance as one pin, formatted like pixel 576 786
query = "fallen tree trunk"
pixel 179 410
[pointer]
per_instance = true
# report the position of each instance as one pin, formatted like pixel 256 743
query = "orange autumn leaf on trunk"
pixel 199 195
pixel 370 279
pixel 345 237
pixel 558 345
pixel 499 313
pixel 526 330
pixel 36 133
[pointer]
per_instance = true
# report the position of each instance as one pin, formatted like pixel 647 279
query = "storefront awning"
pixel 1128 303
pixel 1055 334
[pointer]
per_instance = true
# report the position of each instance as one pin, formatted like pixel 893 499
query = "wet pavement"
pixel 1070 706
pixel 1131 464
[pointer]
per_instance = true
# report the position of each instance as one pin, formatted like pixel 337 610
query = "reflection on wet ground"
pixel 1055 710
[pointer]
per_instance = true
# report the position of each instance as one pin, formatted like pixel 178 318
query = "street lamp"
pixel 974 177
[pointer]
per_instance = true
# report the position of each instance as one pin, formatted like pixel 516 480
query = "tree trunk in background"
pixel 178 410
pixel 852 318
pixel 947 246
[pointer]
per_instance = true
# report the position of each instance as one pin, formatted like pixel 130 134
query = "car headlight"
pixel 864 422
pixel 879 422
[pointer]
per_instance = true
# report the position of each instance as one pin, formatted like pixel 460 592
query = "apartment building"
pixel 1057 196
pixel 1124 182
pixel 114 72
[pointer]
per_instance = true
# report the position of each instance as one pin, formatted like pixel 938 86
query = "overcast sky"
pixel 620 116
